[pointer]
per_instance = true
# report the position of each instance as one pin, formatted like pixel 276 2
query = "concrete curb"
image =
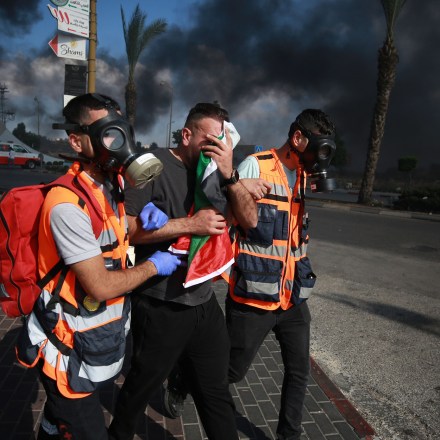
pixel 348 411
pixel 346 206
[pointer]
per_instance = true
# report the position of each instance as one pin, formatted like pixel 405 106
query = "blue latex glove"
pixel 152 217
pixel 165 262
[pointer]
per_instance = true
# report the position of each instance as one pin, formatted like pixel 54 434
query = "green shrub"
pixel 422 199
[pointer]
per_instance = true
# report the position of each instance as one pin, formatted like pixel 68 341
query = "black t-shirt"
pixel 173 193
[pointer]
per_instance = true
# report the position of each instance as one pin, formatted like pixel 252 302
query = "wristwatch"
pixel 235 177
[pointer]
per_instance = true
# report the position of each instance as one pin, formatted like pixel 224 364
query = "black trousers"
pixel 248 327
pixel 76 419
pixel 164 332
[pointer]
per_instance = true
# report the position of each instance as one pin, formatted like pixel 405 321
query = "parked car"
pixel 22 155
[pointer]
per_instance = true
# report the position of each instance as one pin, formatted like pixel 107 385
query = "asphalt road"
pixel 376 310
pixel 16 176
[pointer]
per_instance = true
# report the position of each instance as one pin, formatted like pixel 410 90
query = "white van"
pixel 22 156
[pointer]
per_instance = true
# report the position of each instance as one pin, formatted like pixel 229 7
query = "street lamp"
pixel 166 84
pixel 38 115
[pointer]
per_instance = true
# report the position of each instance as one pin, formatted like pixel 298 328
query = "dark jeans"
pixel 248 327
pixel 164 332
pixel 76 419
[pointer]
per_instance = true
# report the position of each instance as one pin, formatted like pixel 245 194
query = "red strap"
pixel 74 184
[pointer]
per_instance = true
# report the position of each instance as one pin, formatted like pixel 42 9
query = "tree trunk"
pixel 387 62
pixel 130 101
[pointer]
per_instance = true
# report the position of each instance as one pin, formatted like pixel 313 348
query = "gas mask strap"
pixel 302 187
pixel 106 102
pixel 71 158
pixel 115 189
pixel 291 149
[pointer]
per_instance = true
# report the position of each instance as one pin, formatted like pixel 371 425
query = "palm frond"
pixel 137 36
pixel 153 30
pixel 392 10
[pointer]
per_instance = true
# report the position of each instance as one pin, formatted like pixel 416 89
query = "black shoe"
pixel 173 402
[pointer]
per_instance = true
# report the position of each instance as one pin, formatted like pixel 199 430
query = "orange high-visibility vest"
pixel 92 334
pixel 271 268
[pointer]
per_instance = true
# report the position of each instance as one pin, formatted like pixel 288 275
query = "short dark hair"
pixel 311 121
pixel 206 110
pixel 77 109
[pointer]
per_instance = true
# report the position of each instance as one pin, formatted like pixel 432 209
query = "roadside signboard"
pixel 59 2
pixel 71 20
pixel 78 5
pixel 75 80
pixel 68 46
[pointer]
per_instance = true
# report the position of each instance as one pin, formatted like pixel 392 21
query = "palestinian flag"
pixel 209 255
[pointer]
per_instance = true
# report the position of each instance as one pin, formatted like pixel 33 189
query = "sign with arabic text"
pixel 71 21
pixel 78 5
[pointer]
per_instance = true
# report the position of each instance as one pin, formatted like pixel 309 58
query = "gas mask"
pixel 115 149
pixel 316 159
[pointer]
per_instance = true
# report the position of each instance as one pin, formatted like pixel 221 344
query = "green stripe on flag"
pixel 200 201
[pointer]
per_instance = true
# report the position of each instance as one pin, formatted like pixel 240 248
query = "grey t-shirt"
pixel 73 234
pixel 72 230
pixel 173 193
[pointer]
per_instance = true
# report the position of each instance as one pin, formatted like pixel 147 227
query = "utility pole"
pixel 170 87
pixel 171 117
pixel 5 115
pixel 38 115
pixel 93 38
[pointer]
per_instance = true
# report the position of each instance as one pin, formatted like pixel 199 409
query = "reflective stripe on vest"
pixel 98 346
pixel 272 269
pixel 97 338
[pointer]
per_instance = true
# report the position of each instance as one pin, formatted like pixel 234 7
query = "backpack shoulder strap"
pixel 85 196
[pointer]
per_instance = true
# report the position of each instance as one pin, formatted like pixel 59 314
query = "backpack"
pixel 20 210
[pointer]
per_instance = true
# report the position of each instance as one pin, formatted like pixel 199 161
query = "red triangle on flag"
pixel 211 260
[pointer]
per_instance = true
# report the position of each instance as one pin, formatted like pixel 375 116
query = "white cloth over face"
pixel 235 137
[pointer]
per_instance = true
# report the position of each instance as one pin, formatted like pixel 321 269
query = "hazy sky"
pixel 263 60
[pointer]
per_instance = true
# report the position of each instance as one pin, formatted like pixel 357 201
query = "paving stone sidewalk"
pixel 327 413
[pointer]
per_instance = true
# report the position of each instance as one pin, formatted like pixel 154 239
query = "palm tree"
pixel 137 36
pixel 387 62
